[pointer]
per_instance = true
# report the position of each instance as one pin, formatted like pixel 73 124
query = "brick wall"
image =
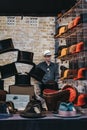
pixel 32 34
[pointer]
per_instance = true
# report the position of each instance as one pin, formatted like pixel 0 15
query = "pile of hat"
pixel 82 18
pixel 10 69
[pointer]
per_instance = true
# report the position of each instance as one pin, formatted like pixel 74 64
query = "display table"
pixel 50 122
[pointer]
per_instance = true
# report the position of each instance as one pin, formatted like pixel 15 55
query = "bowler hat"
pixel 8 70
pixel 72 49
pixel 61 30
pixel 73 92
pixel 33 110
pixel 63 68
pixel 22 79
pixel 81 100
pixel 74 23
pixel 6 45
pixel 70 25
pixel 25 57
pixel 1 84
pixel 65 74
pixel 59 50
pixel 76 20
pixel 79 46
pixel 82 74
pixel 37 73
pixel 67 110
pixel 63 52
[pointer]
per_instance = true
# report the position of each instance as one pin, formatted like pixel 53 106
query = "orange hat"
pixel 81 100
pixel 61 30
pixel 76 20
pixel 72 49
pixel 80 73
pixel 70 25
pixel 66 74
pixel 79 46
pixel 63 52
pixel 73 92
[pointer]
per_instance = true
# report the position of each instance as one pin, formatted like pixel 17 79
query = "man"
pixel 51 76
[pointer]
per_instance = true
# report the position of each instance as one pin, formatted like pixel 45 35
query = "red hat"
pixel 81 100
pixel 73 92
pixel 76 20
pixel 81 74
pixel 79 46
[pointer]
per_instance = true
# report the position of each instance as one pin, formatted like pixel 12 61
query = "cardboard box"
pixel 20 101
pixel 23 90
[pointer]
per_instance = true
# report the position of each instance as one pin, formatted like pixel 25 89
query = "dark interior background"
pixel 34 7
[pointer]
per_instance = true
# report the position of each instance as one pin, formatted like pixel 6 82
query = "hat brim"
pixel 32 115
pixel 8 50
pixel 26 62
pixel 72 116
pixel 5 115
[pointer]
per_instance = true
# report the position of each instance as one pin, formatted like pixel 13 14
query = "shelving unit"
pixel 71 37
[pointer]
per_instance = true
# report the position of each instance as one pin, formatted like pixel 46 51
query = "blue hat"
pixel 67 110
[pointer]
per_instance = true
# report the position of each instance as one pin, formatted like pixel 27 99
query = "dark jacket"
pixel 51 71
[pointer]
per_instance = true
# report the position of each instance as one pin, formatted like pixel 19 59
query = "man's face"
pixel 47 58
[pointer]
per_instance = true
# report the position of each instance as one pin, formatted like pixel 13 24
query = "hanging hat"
pixel 61 30
pixel 81 100
pixel 1 84
pixel 59 50
pixel 8 70
pixel 63 52
pixel 79 46
pixel 22 79
pixel 82 73
pixel 65 74
pixel 71 25
pixel 73 92
pixel 33 110
pixel 62 68
pixel 67 110
pixel 76 20
pixel 25 57
pixel 6 45
pixel 72 49
pixel 37 73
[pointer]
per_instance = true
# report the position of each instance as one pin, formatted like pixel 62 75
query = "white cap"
pixel 47 53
